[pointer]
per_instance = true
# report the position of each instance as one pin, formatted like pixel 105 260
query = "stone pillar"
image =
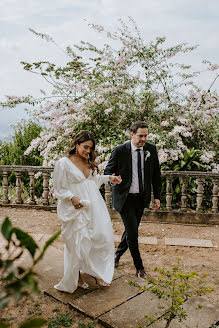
pixel 18 188
pixel 152 199
pixel 184 194
pixel 5 199
pixel 200 191
pixel 215 196
pixel 45 188
pixel 169 193
pixel 108 195
pixel 32 190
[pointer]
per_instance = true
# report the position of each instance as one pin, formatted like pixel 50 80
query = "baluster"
pixel 215 196
pixel 45 188
pixel 107 195
pixel 152 199
pixel 200 191
pixel 184 194
pixel 18 188
pixel 5 199
pixel 32 190
pixel 169 193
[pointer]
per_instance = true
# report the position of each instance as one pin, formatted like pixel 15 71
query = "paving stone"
pixel 3 243
pixel 51 277
pixel 200 313
pixel 51 258
pixel 147 240
pixel 117 238
pixel 104 299
pixel 131 313
pixel 141 240
pixel 37 237
pixel 188 242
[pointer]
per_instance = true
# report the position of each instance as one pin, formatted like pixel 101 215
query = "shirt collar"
pixel 134 148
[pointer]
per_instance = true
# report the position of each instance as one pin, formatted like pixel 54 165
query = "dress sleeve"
pixel 60 182
pixel 100 179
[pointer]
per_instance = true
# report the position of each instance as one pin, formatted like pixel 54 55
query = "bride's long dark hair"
pixel 81 137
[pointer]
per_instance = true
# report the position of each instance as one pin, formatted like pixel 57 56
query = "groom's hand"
pixel 115 179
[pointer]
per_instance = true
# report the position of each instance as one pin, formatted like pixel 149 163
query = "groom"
pixel 137 163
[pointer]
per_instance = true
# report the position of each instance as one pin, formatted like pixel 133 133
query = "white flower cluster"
pixel 164 123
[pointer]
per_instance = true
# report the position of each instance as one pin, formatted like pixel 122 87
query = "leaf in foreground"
pixel 33 323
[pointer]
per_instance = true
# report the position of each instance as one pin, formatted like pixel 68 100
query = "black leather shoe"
pixel 116 262
pixel 141 274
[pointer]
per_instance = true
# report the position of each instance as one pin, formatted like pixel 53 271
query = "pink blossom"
pixel 207 157
pixel 37 175
pixel 182 120
pixel 164 123
pixel 215 168
pixel 159 100
pixel 101 149
pixel 126 133
pixel 152 136
pixel 163 156
pixel 56 113
pixel 102 166
pixel 108 110
pixel 121 60
pixel 213 67
pixel 110 90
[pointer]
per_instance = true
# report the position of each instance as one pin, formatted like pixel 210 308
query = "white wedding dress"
pixel 87 232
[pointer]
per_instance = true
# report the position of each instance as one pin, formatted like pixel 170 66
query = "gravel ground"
pixel 201 260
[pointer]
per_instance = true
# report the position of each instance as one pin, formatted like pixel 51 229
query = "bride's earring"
pixel 76 151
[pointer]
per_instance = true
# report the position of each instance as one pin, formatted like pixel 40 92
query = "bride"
pixel 86 224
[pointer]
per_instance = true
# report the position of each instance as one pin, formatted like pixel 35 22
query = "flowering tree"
pixel 105 89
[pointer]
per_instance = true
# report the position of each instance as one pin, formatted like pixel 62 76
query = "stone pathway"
pixel 121 305
pixel 172 241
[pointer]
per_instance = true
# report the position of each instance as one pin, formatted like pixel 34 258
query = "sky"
pixel 191 21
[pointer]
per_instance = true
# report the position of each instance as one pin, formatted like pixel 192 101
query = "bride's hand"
pixel 115 179
pixel 76 202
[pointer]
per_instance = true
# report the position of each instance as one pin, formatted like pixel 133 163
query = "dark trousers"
pixel 131 214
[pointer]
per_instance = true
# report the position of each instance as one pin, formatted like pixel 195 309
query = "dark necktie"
pixel 140 183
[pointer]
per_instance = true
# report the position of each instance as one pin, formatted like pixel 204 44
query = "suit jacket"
pixel 120 163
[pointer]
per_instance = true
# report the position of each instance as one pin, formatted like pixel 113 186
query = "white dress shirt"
pixel 135 185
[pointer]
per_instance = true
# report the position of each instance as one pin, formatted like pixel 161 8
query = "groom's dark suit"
pixel 131 206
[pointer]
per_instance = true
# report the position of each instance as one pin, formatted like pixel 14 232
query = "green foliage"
pixel 12 151
pixel 176 287
pixel 16 280
pixel 189 162
pixel 84 325
pixel 61 320
pixel 33 323
pixel 3 323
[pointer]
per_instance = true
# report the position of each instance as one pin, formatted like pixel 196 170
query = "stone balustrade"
pixel 31 170
pixel 200 178
pixel 170 176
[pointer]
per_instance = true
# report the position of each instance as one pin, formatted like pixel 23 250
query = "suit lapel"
pixel 129 154
pixel 146 165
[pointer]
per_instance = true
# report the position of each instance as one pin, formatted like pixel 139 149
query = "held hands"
pixel 156 204
pixel 76 203
pixel 115 179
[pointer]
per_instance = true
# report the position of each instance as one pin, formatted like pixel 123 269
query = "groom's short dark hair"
pixel 136 125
